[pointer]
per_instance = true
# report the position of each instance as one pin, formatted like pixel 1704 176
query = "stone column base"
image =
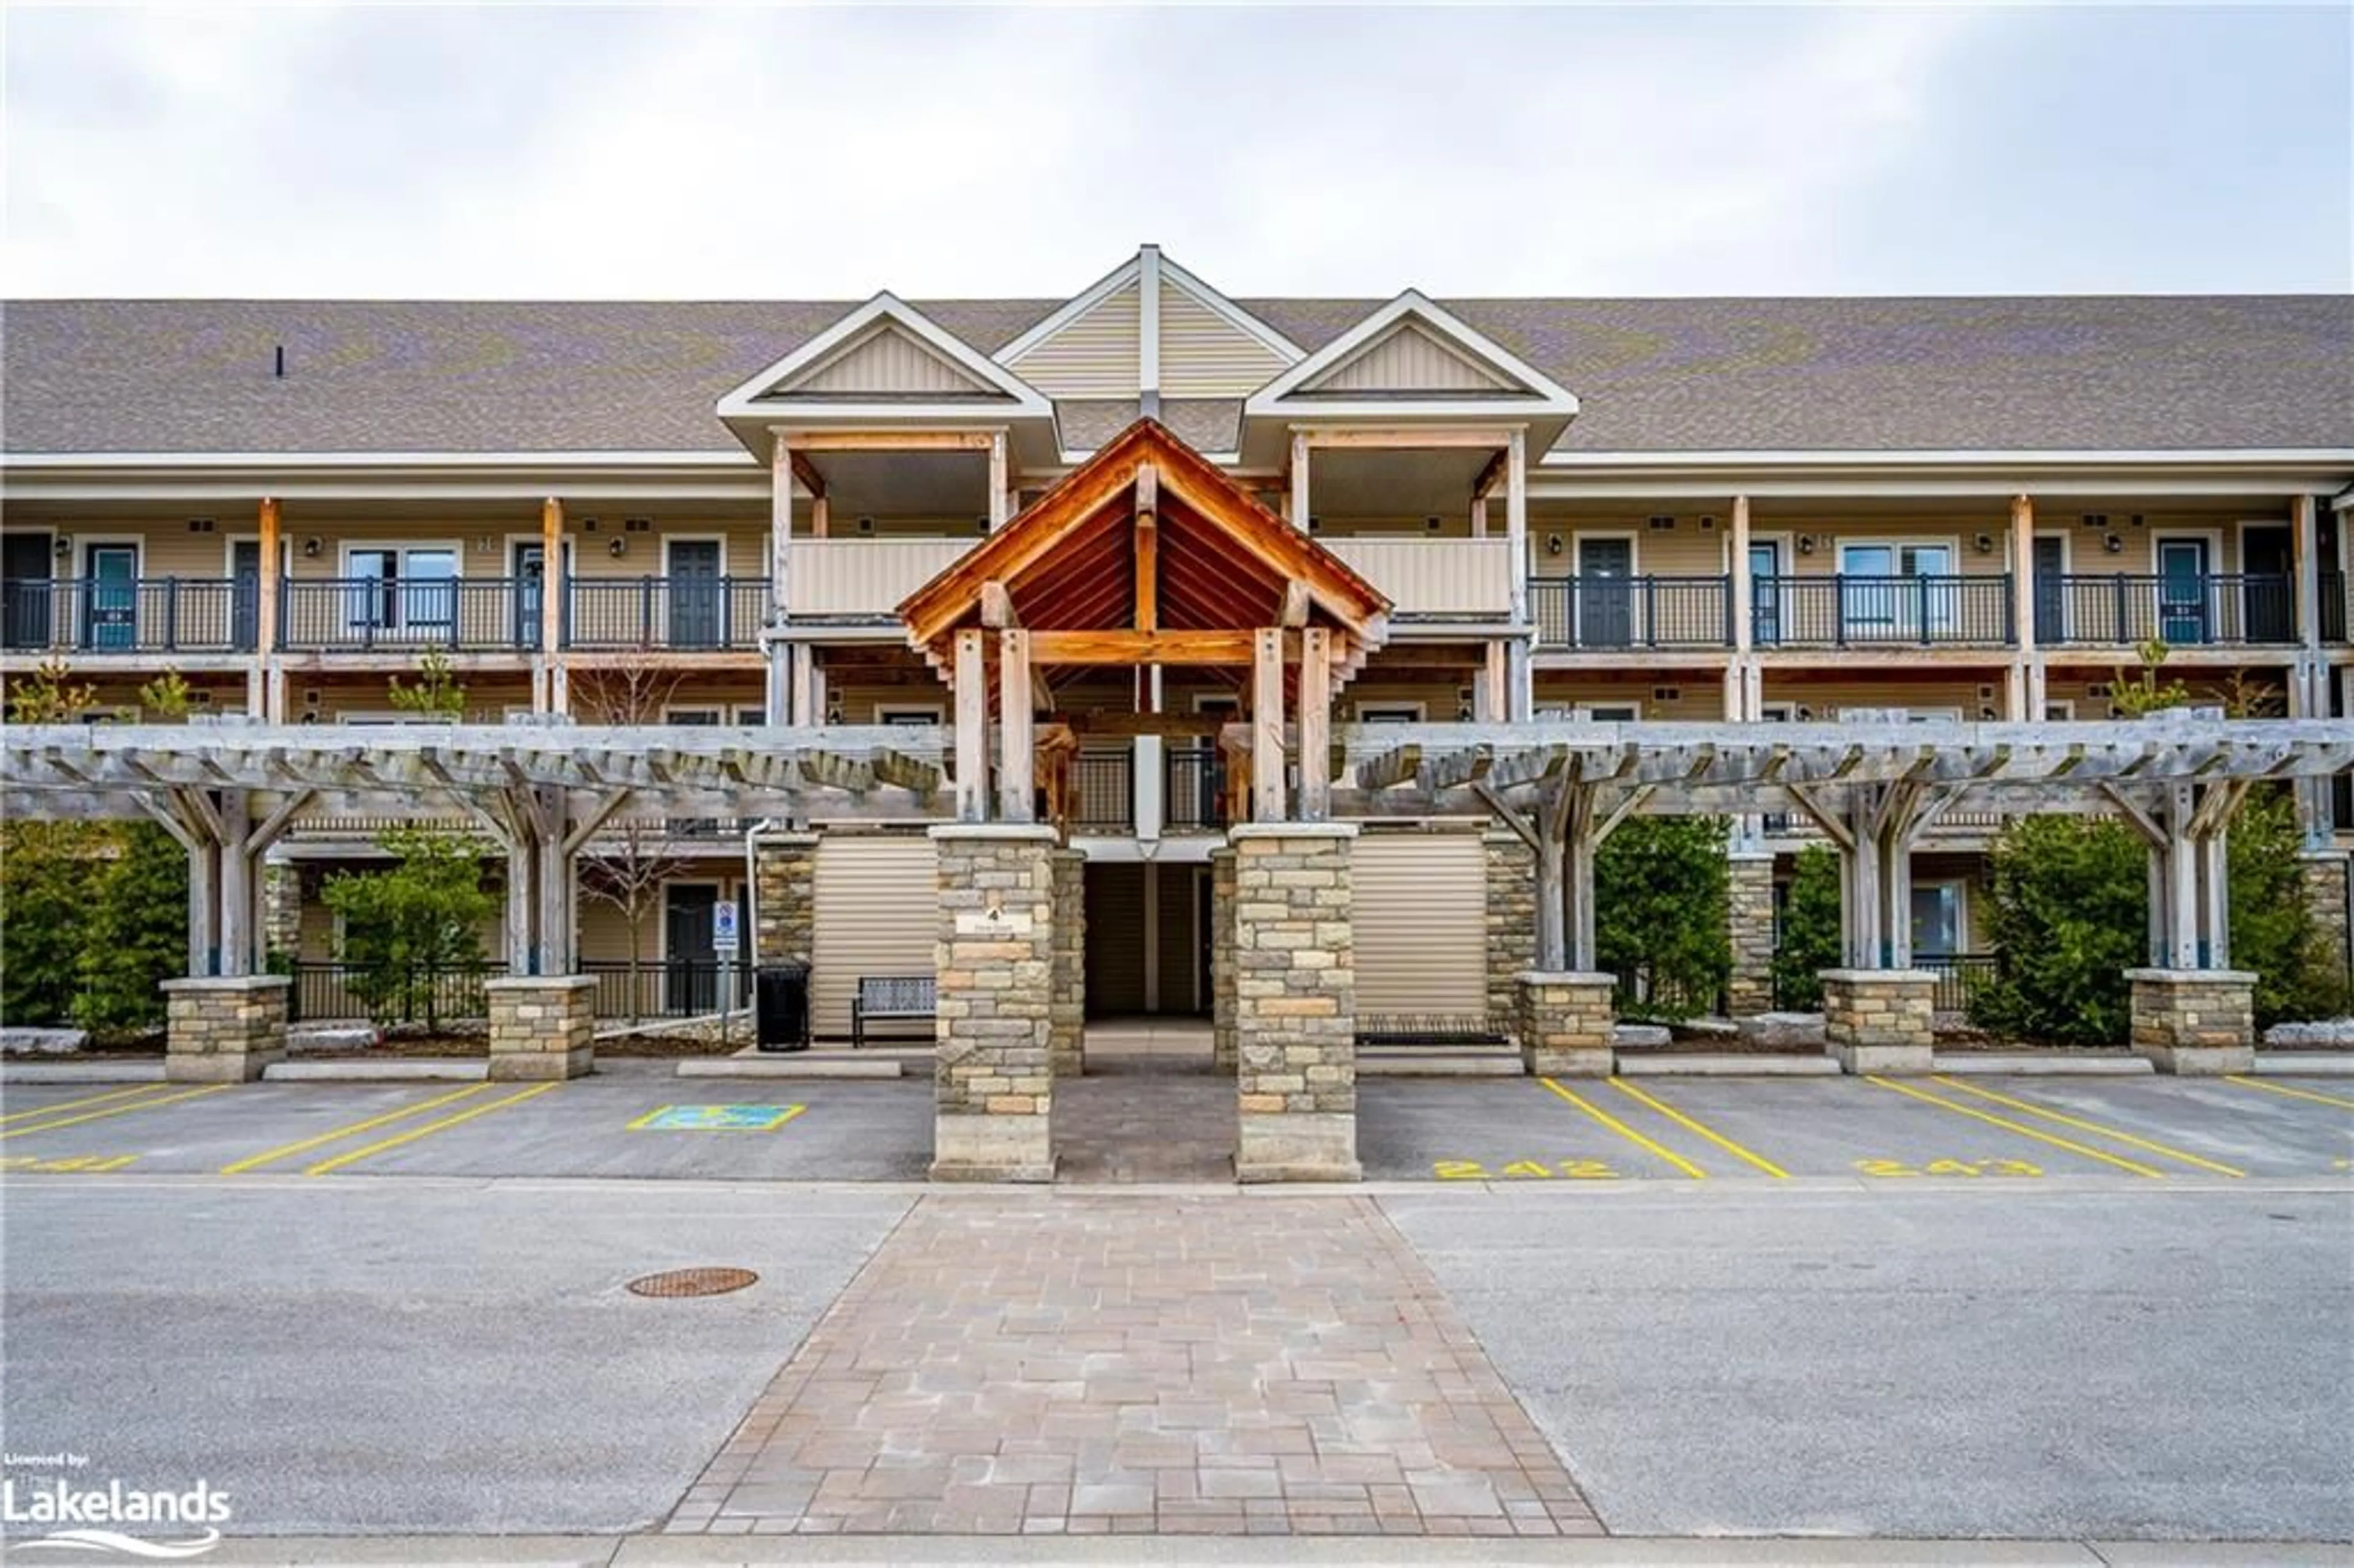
pixel 992 1149
pixel 1565 1022
pixel 1880 1021
pixel 1066 1008
pixel 1749 910
pixel 223 1029
pixel 2195 1021
pixel 1223 1055
pixel 1298 1146
pixel 543 1027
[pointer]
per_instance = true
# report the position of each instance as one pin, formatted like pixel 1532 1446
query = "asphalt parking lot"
pixel 649 1125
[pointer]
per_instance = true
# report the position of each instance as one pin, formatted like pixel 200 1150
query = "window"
pixel 1389 712
pixel 697 716
pixel 1610 713
pixel 911 715
pixel 1938 918
pixel 395 591
pixel 1885 601
pixel 2059 710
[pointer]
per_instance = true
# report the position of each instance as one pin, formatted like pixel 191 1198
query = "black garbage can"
pixel 781 1007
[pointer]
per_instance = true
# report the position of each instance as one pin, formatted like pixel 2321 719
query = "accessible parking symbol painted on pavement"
pixel 715 1118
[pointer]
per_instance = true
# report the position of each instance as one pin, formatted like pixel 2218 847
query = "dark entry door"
pixel 2182 592
pixel 529 572
pixel 244 594
pixel 24 590
pixel 110 608
pixel 691 977
pixel 695 593
pixel 1606 589
pixel 2267 602
pixel 2051 588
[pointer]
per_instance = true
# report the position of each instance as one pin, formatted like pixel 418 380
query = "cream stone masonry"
pixel 1295 1003
pixel 784 897
pixel 223 1029
pixel 1881 1020
pixel 542 1027
pixel 1512 924
pixel 282 910
pixel 2195 1021
pixel 1222 960
pixel 2325 875
pixel 1564 1021
pixel 1066 1038
pixel 994 1072
pixel 1749 912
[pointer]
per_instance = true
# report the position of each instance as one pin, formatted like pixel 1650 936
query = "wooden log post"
pixel 971 726
pixel 1298 490
pixel 1315 723
pixel 998 466
pixel 1017 729
pixel 1267 725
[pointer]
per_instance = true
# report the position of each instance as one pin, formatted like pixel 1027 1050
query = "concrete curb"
pixel 786 1066
pixel 140 1071
pixel 1438 1065
pixel 2303 1064
pixel 1725 1065
pixel 446 1069
pixel 2036 1064
pixel 1239 1551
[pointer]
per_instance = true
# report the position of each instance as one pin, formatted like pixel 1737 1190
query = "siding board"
pixel 1094 356
pixel 1421 924
pixel 877 900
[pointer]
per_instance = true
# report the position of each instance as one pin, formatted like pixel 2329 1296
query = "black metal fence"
pixel 146 615
pixel 1959 977
pixel 1632 611
pixel 1193 788
pixel 1843 611
pixel 335 991
pixel 364 614
pixel 664 612
pixel 667 988
pixel 2128 609
pixel 1106 781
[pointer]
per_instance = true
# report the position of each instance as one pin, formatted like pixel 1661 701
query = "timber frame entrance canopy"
pixel 1146 555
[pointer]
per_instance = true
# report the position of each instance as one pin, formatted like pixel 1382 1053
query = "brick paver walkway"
pixel 1040 1363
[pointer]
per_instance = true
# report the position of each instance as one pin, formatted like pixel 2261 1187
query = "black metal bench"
pixel 1428 1030
pixel 888 997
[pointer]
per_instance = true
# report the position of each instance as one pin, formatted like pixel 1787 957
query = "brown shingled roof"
pixel 1666 374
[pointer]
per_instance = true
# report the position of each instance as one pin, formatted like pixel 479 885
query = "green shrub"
pixel 1809 940
pixel 2068 911
pixel 1661 898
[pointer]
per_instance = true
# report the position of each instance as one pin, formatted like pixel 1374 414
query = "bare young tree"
pixel 625 862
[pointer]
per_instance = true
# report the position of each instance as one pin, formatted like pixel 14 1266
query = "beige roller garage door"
pixel 877 914
pixel 1422 923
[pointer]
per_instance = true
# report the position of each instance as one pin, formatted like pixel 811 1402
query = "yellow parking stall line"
pixel 648 1119
pixel 2023 1131
pixel 2285 1089
pixel 119 1110
pixel 1674 1115
pixel 413 1134
pixel 86 1100
pixel 2111 1133
pixel 270 1156
pixel 1628 1133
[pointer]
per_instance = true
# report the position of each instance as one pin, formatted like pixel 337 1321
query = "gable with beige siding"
pixel 1094 355
pixel 1204 355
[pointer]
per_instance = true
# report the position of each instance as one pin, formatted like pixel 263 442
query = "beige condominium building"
pixel 1754 510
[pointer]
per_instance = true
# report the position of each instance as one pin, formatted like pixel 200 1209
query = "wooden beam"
pixel 998 511
pixel 266 612
pixel 971 726
pixel 1267 725
pixel 1293 609
pixel 1315 724
pixel 551 577
pixel 892 440
pixel 1391 767
pixel 997 611
pixel 806 471
pixel 1491 476
pixel 1119 647
pixel 1298 512
pixel 1148 548
pixel 1016 745
pixel 1413 438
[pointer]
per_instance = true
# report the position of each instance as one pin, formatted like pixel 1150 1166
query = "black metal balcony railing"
pixel 339 990
pixel 1193 788
pixel 365 614
pixel 1845 612
pixel 664 612
pixel 2333 607
pixel 2125 609
pixel 145 615
pixel 666 988
pixel 1106 782
pixel 1632 611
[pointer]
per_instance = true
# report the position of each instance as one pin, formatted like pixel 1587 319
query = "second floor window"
pixel 403 589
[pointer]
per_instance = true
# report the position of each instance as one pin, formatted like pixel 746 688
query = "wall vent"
pixel 1661 524
pixel 1666 694
pixel 201 525
pixel 637 525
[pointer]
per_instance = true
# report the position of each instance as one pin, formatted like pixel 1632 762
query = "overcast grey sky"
pixel 747 152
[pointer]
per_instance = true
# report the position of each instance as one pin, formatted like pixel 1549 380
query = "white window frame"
pixel 1898 626
pixel 1390 712
pixel 1592 712
pixel 456 550
pixel 909 713
pixel 718 712
pixel 1961 886
pixel 2059 710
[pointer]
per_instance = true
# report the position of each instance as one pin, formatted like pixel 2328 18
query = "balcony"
pixel 143 615
pixel 365 615
pixel 1193 788
pixel 865 578
pixel 1847 612
pixel 602 614
pixel 2124 610
pixel 1433 578
pixel 1588 612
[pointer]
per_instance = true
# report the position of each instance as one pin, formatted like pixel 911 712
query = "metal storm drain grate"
pixel 693 1282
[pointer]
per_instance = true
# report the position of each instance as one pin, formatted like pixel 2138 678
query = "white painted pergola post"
pixel 779 699
pixel 2309 688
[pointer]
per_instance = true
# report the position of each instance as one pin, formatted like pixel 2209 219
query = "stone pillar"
pixel 223 1029
pixel 1222 960
pixel 1565 1022
pixel 282 911
pixel 784 897
pixel 542 1027
pixel 1511 925
pixel 993 1077
pixel 2199 1022
pixel 2325 875
pixel 1749 906
pixel 1880 1021
pixel 1067 1037
pixel 1295 1003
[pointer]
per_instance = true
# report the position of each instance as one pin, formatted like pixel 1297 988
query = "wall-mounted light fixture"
pixel 64 548
pixel 1985 543
pixel 1554 544
pixel 1806 544
pixel 310 548
pixel 619 547
pixel 2113 545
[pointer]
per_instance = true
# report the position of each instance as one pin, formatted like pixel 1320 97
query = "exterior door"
pixel 245 594
pixel 110 613
pixel 1605 590
pixel 2051 588
pixel 1766 592
pixel 695 593
pixel 24 589
pixel 529 574
pixel 2267 601
pixel 691 975
pixel 2182 592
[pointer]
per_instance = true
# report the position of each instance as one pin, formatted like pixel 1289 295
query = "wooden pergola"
pixel 1873 786
pixel 1146 556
